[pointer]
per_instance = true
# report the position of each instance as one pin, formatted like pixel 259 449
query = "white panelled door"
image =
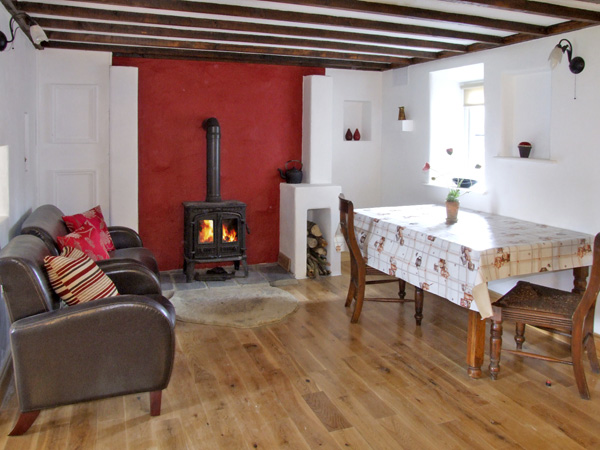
pixel 73 133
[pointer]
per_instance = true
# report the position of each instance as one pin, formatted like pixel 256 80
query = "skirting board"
pixel 284 262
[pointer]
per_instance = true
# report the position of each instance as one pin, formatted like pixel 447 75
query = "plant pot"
pixel 524 151
pixel 452 212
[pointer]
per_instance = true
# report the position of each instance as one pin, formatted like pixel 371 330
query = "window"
pixel 474 125
pixel 457 134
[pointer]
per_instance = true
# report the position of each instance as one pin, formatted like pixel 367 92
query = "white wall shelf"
pixel 406 125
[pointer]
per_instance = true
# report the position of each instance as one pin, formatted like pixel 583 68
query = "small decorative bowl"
pixel 464 182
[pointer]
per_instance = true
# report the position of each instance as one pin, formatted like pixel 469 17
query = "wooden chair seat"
pixel 359 271
pixel 554 310
pixel 539 305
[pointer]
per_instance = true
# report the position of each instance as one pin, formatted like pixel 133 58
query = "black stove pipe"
pixel 213 159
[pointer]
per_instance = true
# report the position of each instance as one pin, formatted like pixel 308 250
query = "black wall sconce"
pixel 35 31
pixel 576 64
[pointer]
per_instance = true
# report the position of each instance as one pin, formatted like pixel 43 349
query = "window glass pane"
pixel 474 96
pixel 457 136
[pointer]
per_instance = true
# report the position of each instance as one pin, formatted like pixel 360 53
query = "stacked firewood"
pixel 316 252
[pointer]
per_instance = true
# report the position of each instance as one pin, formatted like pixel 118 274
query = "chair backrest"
pixel 25 286
pixel 347 226
pixel 588 301
pixel 46 222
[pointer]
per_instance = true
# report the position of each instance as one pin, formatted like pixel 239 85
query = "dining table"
pixel 456 261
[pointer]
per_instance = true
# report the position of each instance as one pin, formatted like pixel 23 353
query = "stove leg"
pixel 236 265
pixel 188 269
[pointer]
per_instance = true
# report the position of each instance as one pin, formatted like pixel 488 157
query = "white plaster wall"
pixel 563 193
pixel 124 146
pixel 17 126
pixel 17 135
pixel 357 164
pixel 559 193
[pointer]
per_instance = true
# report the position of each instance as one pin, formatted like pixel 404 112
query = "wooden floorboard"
pixel 315 380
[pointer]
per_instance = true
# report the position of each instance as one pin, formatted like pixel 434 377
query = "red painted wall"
pixel 259 108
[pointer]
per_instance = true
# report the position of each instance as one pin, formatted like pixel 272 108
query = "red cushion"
pixel 76 278
pixel 87 239
pixel 95 217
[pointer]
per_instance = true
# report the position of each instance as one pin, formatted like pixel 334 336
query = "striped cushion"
pixel 76 278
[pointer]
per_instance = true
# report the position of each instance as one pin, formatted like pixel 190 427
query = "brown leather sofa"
pixel 103 348
pixel 46 223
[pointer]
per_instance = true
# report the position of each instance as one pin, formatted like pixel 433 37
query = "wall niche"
pixel 357 116
pixel 526 113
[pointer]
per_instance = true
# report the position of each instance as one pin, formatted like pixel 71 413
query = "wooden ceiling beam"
pixel 232 48
pixel 539 8
pixel 566 27
pixel 405 12
pixel 103 27
pixel 250 27
pixel 150 52
pixel 559 28
pixel 296 17
pixel 186 29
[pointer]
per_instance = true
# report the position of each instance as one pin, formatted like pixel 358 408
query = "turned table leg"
pixel 475 344
pixel 419 295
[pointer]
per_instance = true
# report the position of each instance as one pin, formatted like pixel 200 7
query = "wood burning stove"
pixel 214 230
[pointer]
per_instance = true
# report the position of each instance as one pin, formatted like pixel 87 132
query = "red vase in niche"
pixel 356 135
pixel 348 135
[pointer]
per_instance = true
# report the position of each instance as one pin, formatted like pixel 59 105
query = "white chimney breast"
pixel 299 202
pixel 317 129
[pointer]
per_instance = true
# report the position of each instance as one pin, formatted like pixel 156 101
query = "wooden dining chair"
pixel 554 310
pixel 359 271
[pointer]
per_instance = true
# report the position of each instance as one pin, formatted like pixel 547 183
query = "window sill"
pixel 531 160
pixel 479 188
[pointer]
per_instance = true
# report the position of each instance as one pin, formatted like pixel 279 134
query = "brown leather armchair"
pixel 104 348
pixel 46 223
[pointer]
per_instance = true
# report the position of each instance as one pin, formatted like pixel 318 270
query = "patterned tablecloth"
pixel 456 261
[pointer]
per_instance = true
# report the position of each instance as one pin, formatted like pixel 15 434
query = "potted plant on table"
pixel 452 202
